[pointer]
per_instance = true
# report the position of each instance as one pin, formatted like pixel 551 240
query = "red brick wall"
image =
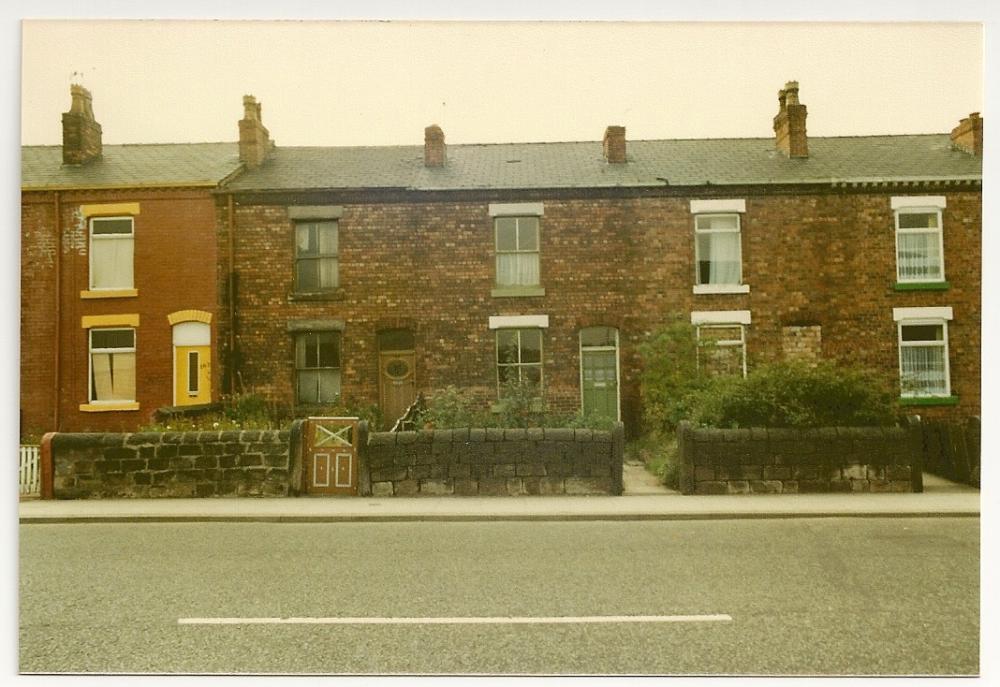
pixel 175 264
pixel 824 258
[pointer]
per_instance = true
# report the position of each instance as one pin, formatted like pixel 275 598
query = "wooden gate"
pixel 331 455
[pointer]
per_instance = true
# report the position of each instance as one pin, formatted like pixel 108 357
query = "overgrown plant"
pixel 670 375
pixel 794 394
pixel 450 408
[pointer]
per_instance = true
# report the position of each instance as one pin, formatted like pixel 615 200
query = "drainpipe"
pixel 231 280
pixel 58 311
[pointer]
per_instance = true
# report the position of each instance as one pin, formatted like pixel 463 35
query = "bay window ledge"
pixel 98 407
pixel 109 293
pixel 928 401
pixel 721 288
pixel 516 291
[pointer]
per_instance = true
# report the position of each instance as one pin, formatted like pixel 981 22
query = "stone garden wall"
pixel 833 459
pixel 494 462
pixel 178 464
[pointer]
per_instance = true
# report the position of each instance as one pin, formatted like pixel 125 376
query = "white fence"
pixel 30 474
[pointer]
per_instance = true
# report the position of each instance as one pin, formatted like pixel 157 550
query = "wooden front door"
pixel 331 455
pixel 599 371
pixel 397 384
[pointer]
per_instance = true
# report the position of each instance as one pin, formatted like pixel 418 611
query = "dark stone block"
pixel 189 450
pixel 171 437
pixel 206 462
pixel 439 471
pixel 530 470
pixel 228 461
pixel 494 434
pixel 133 465
pixel 229 437
pixel 406 438
pixel 466 487
pixel 583 435
pixel 407 487
pixel 711 487
pixel 142 438
pixel 514 434
pixel 459 470
pixel 249 459
pixel 283 436
pixel 120 454
pixel 414 472
pixel 166 451
pixel 181 463
pixel 805 472
pixel 460 435
pixel 382 439
pixel 234 449
pixel 559 434
pixel 531 485
pixel 492 487
pixel 111 439
pixel 476 435
pixel 534 434
pixel 813 486
pixel 840 485
pixel 142 478
pixel 249 436
pixel 279 461
pixel 205 489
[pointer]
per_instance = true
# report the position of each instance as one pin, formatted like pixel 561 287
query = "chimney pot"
pixel 81 132
pixel 614 144
pixel 435 153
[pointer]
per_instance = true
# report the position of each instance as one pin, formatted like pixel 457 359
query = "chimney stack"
pixel 434 150
pixel 614 144
pixel 968 135
pixel 790 123
pixel 81 133
pixel 255 142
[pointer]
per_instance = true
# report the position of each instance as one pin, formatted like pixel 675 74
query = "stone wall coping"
pixel 486 434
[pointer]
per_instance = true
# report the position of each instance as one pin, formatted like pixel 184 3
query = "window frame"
pixel 708 285
pixel 91 391
pixel 319 257
pixel 726 343
pixel 517 251
pixel 924 321
pixel 939 230
pixel 91 271
pixel 541 356
pixel 339 339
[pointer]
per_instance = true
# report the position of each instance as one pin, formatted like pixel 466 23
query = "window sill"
pixel 331 295
pixel 110 293
pixel 517 291
pixel 922 286
pixel 721 288
pixel 928 401
pixel 98 407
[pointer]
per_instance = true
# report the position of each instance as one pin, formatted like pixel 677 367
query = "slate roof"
pixel 127 166
pixel 581 165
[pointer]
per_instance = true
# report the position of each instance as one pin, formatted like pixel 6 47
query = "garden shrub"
pixel 794 394
pixel 670 375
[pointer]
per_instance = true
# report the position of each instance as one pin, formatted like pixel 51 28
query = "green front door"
pixel 600 382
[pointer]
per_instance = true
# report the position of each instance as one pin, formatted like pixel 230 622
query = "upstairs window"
pixel 317 367
pixel 517 251
pixel 718 254
pixel 519 356
pixel 112 365
pixel 919 245
pixel 317 262
pixel 111 253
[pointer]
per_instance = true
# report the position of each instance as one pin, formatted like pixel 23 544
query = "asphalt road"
pixel 813 596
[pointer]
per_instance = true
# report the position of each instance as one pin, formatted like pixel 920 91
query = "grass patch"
pixel 658 452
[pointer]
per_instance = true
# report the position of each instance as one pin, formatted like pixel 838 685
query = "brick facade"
pixel 174 269
pixel 816 257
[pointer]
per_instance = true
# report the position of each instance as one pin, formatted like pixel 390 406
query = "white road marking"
pixel 487 620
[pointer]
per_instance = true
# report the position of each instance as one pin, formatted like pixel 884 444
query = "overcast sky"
pixel 375 83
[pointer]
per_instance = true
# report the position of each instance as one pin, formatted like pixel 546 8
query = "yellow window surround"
pixel 109 406
pixel 109 293
pixel 189 316
pixel 109 209
pixel 92 321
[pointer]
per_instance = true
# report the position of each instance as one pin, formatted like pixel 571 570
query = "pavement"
pixel 940 498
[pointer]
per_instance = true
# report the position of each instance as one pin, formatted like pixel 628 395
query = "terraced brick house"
pixel 118 277
pixel 368 274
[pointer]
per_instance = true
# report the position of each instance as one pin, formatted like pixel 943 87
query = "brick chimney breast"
pixel 614 144
pixel 790 123
pixel 968 135
pixel 81 132
pixel 435 154
pixel 255 140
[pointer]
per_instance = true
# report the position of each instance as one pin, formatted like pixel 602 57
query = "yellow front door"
pixel 192 375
